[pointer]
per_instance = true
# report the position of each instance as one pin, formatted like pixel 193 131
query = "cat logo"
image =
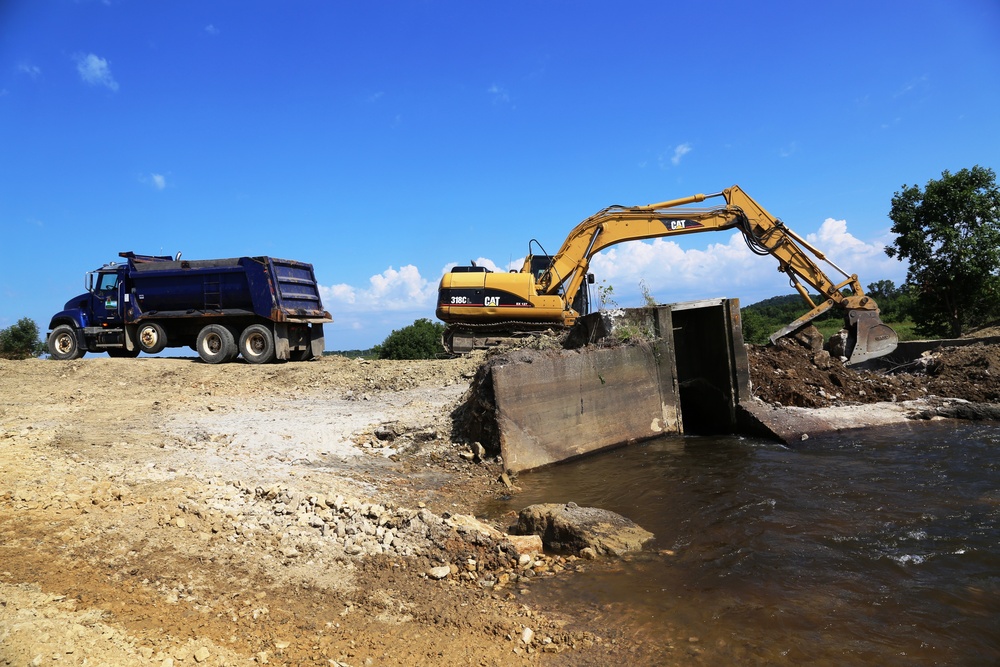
pixel 492 301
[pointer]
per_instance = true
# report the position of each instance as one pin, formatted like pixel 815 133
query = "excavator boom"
pixel 546 292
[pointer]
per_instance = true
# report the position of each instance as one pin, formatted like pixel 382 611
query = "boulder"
pixel 467 525
pixel 526 544
pixel 571 528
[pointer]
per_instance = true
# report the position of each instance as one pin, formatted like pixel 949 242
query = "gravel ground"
pixel 164 511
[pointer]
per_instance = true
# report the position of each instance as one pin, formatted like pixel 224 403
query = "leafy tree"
pixel 420 340
pixel 20 341
pixel 896 303
pixel 756 328
pixel 950 233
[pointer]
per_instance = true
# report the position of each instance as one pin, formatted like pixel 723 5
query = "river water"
pixel 882 549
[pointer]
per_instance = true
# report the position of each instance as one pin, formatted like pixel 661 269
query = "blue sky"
pixel 386 141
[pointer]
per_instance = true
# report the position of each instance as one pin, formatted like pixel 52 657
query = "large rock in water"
pixel 571 528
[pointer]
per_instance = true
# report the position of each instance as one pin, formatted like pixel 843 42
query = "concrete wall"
pixel 563 404
pixel 556 405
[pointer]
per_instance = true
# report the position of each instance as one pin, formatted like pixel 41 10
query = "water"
pixel 883 550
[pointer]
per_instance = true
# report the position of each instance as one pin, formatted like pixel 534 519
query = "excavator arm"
pixel 548 298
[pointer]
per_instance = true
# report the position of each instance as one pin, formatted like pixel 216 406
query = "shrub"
pixel 420 340
pixel 20 341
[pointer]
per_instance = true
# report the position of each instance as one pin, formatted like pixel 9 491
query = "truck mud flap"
pixel 316 341
pixel 298 342
pixel 281 348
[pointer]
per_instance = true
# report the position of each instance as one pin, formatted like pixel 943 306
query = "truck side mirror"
pixel 590 278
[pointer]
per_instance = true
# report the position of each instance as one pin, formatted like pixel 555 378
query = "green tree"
pixel 20 341
pixel 756 328
pixel 420 340
pixel 896 303
pixel 950 234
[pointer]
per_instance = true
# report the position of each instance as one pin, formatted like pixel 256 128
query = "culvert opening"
pixel 707 340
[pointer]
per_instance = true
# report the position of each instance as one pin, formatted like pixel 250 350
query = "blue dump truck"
pixel 262 308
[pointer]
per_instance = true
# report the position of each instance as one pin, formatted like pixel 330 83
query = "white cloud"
pixel 679 152
pixel 789 150
pixel 157 181
pixel 211 29
pixel 95 71
pixel 31 70
pixel 499 94
pixel 392 290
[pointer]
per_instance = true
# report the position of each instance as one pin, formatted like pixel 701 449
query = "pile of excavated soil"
pixel 790 375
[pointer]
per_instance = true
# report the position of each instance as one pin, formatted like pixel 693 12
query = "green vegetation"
pixel 950 234
pixel 20 341
pixel 352 354
pixel 765 317
pixel 420 340
pixel 606 296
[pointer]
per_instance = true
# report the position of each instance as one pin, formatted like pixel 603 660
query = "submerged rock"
pixel 571 528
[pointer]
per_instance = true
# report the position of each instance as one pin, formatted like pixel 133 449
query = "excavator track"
pixel 465 338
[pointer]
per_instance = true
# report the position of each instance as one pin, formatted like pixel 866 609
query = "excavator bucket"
pixel 868 337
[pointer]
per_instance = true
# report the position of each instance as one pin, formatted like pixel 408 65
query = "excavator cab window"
pixel 539 265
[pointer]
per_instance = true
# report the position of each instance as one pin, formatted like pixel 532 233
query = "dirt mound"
pixel 971 373
pixel 789 374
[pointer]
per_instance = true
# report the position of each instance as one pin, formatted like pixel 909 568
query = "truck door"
pixel 108 298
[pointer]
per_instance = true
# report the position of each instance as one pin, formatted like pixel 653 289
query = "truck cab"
pixel 94 320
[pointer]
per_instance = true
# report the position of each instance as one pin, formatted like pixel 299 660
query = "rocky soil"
pixel 790 374
pixel 164 511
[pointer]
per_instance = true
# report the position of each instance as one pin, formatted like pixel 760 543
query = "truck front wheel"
pixel 63 344
pixel 257 344
pixel 215 344
pixel 152 338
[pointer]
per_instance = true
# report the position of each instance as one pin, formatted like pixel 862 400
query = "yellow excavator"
pixel 482 308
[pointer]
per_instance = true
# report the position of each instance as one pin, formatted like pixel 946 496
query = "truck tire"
pixel 151 338
pixel 257 344
pixel 123 353
pixel 215 344
pixel 63 344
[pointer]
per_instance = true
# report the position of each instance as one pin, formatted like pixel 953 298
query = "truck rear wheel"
pixel 63 344
pixel 215 344
pixel 257 344
pixel 151 338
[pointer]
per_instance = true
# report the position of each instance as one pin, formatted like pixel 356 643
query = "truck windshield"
pixel 108 282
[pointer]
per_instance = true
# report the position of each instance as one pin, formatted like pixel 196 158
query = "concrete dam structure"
pixel 688 373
